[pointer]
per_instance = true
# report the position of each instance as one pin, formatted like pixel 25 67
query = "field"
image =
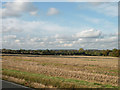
pixel 39 71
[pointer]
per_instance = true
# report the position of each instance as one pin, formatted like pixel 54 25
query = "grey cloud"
pixel 9 37
pixel 16 9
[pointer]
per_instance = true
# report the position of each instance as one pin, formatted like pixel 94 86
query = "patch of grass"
pixel 113 70
pixel 92 60
pixel 58 82
pixel 92 65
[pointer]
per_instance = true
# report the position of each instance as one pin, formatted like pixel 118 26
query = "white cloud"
pixel 67 45
pixel 104 8
pixel 109 39
pixel 52 11
pixel 16 9
pixel 15 25
pixel 12 25
pixel 108 9
pixel 17 41
pixel 91 33
pixel 34 13
pixel 52 43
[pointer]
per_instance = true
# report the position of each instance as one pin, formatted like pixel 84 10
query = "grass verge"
pixel 58 82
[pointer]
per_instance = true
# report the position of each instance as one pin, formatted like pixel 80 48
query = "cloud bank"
pixel 32 35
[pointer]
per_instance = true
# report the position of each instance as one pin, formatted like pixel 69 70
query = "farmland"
pixel 50 71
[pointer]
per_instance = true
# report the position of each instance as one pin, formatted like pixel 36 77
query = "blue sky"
pixel 60 25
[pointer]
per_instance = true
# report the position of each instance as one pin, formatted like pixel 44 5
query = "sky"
pixel 59 25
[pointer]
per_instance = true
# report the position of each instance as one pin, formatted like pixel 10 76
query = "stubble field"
pixel 61 71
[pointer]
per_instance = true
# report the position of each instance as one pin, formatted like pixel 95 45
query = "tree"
pixel 81 51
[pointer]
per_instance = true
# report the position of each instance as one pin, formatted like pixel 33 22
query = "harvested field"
pixel 73 71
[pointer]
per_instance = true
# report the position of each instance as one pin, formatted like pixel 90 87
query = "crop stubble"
pixel 103 70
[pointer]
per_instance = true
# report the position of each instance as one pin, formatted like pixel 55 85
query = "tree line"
pixel 81 51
